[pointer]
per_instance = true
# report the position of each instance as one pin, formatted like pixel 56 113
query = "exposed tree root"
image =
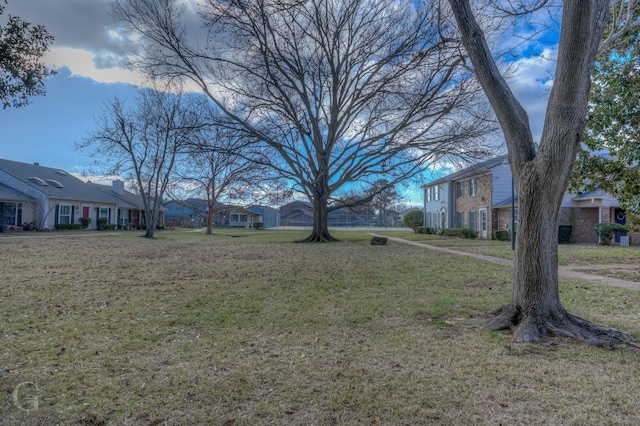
pixel 537 326
pixel 318 237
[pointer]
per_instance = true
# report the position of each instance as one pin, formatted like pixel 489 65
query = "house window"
pixel 11 213
pixel 459 189
pixel 472 187
pixel 123 217
pixel 234 218
pixel 473 218
pixel 436 193
pixel 428 194
pixel 243 218
pixel 427 220
pixel 103 212
pixel 64 214
pixel 459 223
pixel 436 224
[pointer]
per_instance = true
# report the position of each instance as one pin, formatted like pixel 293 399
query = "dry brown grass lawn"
pixel 195 329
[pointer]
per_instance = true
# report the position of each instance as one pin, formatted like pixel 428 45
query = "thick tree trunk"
pixel 541 177
pixel 536 311
pixel 535 297
pixel 320 232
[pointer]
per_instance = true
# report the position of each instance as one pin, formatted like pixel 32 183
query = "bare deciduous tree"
pixel 541 176
pixel 144 143
pixel 345 90
pixel 223 166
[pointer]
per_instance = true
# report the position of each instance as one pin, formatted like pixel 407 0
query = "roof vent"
pixel 36 164
pixel 38 181
pixel 55 183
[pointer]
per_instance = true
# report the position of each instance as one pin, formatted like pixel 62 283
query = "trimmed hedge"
pixel 68 226
pixel 424 230
pixel 502 235
pixel 460 233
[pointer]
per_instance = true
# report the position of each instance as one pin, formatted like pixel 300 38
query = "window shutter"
pixel 57 211
pixel 109 215
pixel 72 213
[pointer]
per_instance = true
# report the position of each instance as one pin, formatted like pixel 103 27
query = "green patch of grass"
pixel 191 328
pixel 568 254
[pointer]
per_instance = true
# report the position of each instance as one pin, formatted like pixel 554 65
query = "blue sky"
pixel 85 52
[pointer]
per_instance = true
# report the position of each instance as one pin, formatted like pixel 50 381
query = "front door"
pixel 483 223
pixel 621 218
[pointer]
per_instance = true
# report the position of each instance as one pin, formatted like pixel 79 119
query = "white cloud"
pixel 83 63
pixel 531 83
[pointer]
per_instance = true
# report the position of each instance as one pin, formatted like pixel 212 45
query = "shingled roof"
pixel 473 170
pixel 58 184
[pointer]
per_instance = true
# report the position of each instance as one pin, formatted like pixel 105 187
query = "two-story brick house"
pixel 466 198
pixel 479 197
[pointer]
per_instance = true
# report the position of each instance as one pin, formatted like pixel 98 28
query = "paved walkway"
pixel 571 272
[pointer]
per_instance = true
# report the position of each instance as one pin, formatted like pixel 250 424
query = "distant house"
pixel 296 213
pixel 300 213
pixel 237 217
pixel 190 213
pixel 268 215
pixel 45 197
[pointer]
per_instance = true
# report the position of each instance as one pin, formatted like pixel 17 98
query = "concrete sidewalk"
pixel 570 272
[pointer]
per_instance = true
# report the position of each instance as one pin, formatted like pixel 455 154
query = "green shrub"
pixel 85 222
pixel 67 226
pixel 424 230
pixel 414 219
pixel 101 223
pixel 379 241
pixel 258 225
pixel 502 235
pixel 605 231
pixel 460 233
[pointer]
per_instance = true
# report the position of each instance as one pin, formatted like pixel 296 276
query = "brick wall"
pixel 504 220
pixel 583 220
pixel 468 203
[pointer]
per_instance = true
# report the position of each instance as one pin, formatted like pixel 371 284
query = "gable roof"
pixel 54 183
pixel 125 199
pixel 58 184
pixel 473 170
pixel 10 194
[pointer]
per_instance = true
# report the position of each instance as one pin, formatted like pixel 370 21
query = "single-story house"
pixel 44 197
